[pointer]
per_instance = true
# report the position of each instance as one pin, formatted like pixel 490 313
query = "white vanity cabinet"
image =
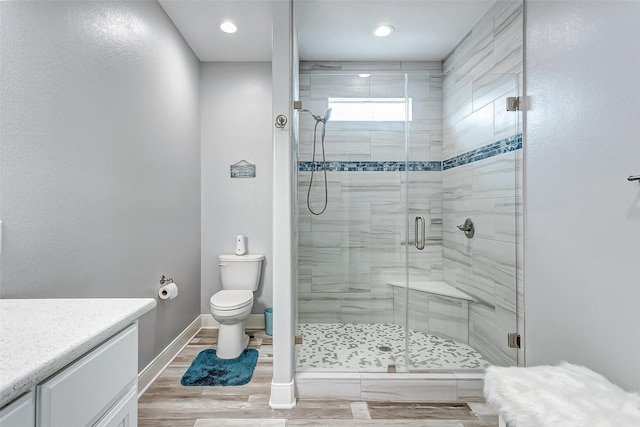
pixel 19 413
pixel 101 384
pixel 70 362
pixel 98 389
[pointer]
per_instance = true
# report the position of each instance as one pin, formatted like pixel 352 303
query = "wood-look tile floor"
pixel 168 403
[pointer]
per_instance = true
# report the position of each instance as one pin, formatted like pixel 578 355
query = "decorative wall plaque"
pixel 243 169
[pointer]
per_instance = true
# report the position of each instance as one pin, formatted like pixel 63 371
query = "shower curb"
pixel 400 387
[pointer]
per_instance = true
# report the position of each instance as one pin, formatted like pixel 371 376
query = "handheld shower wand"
pixel 324 121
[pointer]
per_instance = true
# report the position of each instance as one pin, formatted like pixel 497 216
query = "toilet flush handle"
pixel 223 264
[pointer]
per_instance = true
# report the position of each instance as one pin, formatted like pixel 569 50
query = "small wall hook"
pixel 164 280
pixel 281 121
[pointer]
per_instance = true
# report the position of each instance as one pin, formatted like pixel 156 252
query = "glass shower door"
pixel 461 256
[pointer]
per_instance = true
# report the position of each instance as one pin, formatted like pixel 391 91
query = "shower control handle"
pixel 419 233
pixel 468 228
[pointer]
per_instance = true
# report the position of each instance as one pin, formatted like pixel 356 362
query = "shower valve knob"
pixel 468 228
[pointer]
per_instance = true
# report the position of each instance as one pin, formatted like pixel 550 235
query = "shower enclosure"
pixel 412 265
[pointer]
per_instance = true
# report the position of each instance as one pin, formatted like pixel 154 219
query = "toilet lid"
pixel 231 299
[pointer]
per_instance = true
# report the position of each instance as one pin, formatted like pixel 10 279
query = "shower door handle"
pixel 420 233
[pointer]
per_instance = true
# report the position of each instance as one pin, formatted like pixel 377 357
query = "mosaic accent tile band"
pixel 353 166
pixel 499 147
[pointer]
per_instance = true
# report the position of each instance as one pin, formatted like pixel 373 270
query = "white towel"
pixel 559 396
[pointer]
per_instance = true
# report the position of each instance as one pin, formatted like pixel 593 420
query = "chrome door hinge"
pixel 514 340
pixel 514 103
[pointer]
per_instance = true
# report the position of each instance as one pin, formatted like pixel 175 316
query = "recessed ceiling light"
pixel 364 75
pixel 228 27
pixel 383 30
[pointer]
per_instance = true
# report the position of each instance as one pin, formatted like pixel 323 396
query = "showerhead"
pixel 324 119
pixel 327 114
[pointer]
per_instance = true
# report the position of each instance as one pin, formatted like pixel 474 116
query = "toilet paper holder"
pixel 164 280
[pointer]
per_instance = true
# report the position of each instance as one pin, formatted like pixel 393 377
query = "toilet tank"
pixel 240 272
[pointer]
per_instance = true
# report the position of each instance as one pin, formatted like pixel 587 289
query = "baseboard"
pixel 282 396
pixel 254 321
pixel 157 365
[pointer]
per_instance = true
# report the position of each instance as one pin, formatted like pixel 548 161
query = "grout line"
pixel 360 411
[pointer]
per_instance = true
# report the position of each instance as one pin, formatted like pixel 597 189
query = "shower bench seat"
pixel 436 308
pixel 436 288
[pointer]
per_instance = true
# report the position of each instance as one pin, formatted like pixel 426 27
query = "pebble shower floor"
pixel 371 347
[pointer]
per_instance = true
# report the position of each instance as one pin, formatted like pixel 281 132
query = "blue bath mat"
pixel 209 370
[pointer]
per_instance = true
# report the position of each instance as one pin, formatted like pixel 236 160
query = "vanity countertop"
pixel 38 337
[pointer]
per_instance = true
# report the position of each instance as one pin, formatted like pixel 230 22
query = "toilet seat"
pixel 231 299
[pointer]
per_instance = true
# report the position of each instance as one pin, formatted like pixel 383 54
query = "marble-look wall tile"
pixel 474 390
pixel 506 307
pixel 389 145
pixel 368 209
pixel 474 55
pixel 494 87
pixel 449 318
pixel 388 217
pixel 389 86
pixel 338 145
pixel 439 315
pixel 435 86
pixel 319 308
pixel 488 338
pixel 313 246
pixel 419 86
pixel 371 66
pixel 483 70
pixel 319 65
pixel 495 177
pixel 325 86
pixel 376 308
pixel 444 390
pixel 348 388
pixel 433 66
pixel 457 100
pixel 472 131
pixel 419 314
pixel 508 37
pixel 304 83
pixel 340 277
pixel 341 217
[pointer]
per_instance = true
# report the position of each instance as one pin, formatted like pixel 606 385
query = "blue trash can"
pixel 268 321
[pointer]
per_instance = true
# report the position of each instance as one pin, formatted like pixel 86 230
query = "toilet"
pixel 240 276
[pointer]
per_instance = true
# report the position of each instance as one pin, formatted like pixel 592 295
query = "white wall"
pixel 100 158
pixel 582 217
pixel 236 125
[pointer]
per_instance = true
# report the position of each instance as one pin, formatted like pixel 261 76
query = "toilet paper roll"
pixel 168 291
pixel 240 245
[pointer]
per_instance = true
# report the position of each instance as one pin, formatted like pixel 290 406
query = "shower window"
pixel 371 109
